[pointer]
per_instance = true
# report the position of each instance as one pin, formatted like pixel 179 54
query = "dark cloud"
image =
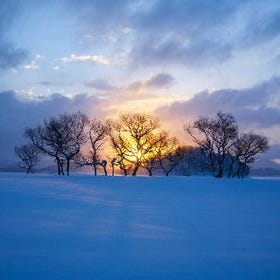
pixel 262 29
pixel 100 84
pixel 267 160
pixel 256 108
pixel 185 17
pixel 180 32
pixel 160 80
pixel 136 86
pixel 15 115
pixel 156 82
pixel 9 10
pixel 10 56
pixel 167 31
pixel 45 83
pixel 176 51
pixel 100 16
pixel 198 33
pixel 253 107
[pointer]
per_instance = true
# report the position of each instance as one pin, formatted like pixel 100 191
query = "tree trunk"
pixel 220 174
pixel 105 170
pixel 123 169
pixel 135 169
pixel 61 168
pixel 170 169
pixel 95 169
pixel 167 173
pixel 68 166
pixel 150 173
pixel 230 170
pixel 58 166
pixel 28 169
pixel 243 170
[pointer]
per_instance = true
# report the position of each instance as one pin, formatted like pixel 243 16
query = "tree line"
pixel 135 142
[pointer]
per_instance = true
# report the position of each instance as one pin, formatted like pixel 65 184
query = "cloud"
pixel 99 59
pixel 103 15
pixel 21 109
pixel 262 26
pixel 199 52
pixel 127 30
pixel 45 83
pixel 33 65
pixel 162 28
pixel 193 33
pixel 16 114
pixel 100 84
pixel 158 81
pixel 257 107
pixel 10 55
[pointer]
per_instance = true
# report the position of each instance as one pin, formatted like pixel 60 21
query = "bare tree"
pixel 215 137
pixel 113 164
pixel 29 156
pixel 116 141
pixel 133 137
pixel 97 134
pixel 171 159
pixel 161 144
pixel 245 151
pixel 164 155
pixel 73 134
pixel 45 140
pixel 60 137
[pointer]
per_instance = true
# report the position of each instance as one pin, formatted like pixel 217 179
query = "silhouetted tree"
pixel 116 141
pixel 133 137
pixel 161 146
pixel 244 152
pixel 171 159
pixel 165 154
pixel 215 137
pixel 29 156
pixel 60 137
pixel 45 141
pixel 97 133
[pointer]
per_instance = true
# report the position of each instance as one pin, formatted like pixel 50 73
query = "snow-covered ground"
pixel 85 227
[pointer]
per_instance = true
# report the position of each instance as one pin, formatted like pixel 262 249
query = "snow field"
pixel 86 227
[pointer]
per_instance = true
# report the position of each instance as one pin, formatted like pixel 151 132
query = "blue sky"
pixel 179 59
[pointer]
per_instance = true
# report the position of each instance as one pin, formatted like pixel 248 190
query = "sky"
pixel 176 59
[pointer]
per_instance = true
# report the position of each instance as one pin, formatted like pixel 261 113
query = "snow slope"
pixel 85 227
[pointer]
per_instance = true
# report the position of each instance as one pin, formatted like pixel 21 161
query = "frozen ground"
pixel 85 227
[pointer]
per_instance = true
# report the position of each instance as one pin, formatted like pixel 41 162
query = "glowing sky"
pixel 179 59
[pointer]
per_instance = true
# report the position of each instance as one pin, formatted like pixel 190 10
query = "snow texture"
pixel 86 227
